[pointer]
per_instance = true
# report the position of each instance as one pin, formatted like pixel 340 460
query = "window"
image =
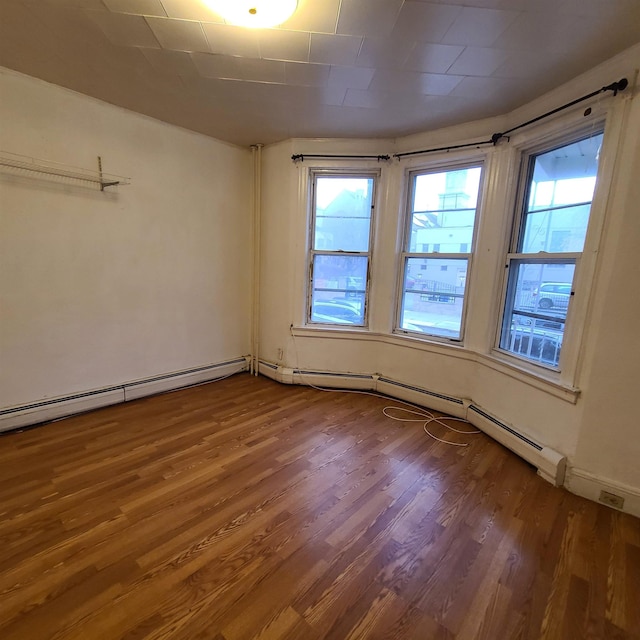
pixel 340 253
pixel 441 215
pixel 555 203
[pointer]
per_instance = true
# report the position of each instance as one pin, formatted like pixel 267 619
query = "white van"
pixel 553 295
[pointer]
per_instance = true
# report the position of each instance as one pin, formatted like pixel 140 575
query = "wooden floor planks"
pixel 249 510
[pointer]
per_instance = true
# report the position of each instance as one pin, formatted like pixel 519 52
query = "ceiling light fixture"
pixel 254 13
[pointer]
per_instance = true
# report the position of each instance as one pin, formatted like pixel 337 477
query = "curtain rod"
pixel 620 85
pixel 302 156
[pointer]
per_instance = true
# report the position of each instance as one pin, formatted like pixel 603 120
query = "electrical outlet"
pixel 611 499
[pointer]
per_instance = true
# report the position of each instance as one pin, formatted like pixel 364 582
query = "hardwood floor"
pixel 248 509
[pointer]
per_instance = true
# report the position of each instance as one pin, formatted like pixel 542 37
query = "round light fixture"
pixel 254 13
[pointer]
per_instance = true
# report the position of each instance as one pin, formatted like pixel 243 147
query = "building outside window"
pixel 439 234
pixel 557 186
pixel 340 255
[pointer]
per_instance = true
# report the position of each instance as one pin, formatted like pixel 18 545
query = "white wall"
pixel 98 289
pixel 596 427
pixel 609 444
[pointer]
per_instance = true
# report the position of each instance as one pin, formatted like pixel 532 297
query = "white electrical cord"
pixel 425 413
pixel 426 417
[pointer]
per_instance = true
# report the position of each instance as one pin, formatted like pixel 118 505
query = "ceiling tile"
pixel 57 29
pixel 131 60
pixel 213 65
pixel 425 22
pixel 414 82
pixel 190 10
pixel 478 61
pixel 136 7
pixel 232 41
pixel 350 77
pixel 334 49
pixel 432 58
pixel 393 100
pixel 308 97
pixel 527 64
pixel 177 63
pixel 366 99
pixel 225 91
pixel 330 95
pixel 486 4
pixel 479 27
pixel 370 18
pixel 310 75
pixel 316 16
pixel 535 31
pixel 179 35
pixel 384 53
pixel 574 7
pixel 124 30
pixel 483 89
pixel 284 45
pixel 261 70
pixel 96 5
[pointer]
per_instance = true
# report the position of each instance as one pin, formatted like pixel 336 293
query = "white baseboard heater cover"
pixel 551 465
pixel 54 408
pixel 422 397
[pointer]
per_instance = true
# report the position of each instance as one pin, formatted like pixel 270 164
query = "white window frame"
pixel 405 255
pixel 566 369
pixel 312 253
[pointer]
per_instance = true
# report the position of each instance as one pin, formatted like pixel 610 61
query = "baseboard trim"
pixel 588 485
pixel 63 406
pixel 180 379
pixel 56 408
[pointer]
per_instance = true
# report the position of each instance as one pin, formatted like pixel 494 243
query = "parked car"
pixel 553 295
pixel 335 312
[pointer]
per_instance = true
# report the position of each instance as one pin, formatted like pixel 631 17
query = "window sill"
pixel 548 383
pixel 362 333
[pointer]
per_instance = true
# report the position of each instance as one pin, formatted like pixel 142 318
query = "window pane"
pixel 433 294
pixel 342 213
pixel 444 210
pixel 538 296
pixel 555 231
pixel 559 197
pixel 339 287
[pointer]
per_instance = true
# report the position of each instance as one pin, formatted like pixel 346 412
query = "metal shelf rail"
pixel 15 163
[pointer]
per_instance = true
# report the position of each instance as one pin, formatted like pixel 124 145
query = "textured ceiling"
pixel 337 68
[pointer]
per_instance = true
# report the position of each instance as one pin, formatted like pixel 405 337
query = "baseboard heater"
pixel 63 406
pixel 422 397
pixel 550 464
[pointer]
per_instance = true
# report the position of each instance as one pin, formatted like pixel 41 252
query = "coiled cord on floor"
pixel 425 416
